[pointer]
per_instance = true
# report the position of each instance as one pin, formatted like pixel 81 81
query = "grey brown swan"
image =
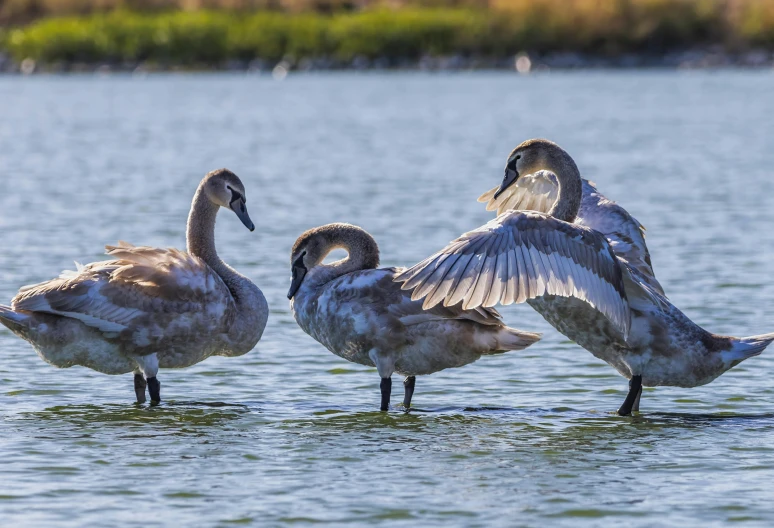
pixel 583 265
pixel 359 313
pixel 148 308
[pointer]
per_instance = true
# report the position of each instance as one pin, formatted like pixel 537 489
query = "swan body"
pixel 360 313
pixel 148 308
pixel 653 344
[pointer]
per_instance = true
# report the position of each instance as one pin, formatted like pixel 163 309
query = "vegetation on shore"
pixel 210 37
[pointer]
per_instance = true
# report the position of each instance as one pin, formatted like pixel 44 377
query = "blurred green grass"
pixel 210 37
pixel 207 37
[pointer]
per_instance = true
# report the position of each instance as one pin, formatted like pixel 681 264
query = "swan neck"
pixel 362 253
pixel 252 310
pixel 200 241
pixel 570 185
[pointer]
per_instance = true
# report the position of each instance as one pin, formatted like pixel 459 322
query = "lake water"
pixel 290 433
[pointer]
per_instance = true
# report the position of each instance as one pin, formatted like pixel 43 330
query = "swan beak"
pixel 239 207
pixel 509 179
pixel 298 277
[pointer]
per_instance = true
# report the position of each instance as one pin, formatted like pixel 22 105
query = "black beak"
pixel 239 207
pixel 299 272
pixel 509 179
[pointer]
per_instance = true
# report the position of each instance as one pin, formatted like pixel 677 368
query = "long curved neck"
pixel 362 253
pixel 568 177
pixel 200 241
pixel 252 311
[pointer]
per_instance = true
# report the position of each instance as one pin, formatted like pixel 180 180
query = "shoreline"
pixel 523 63
pixel 680 34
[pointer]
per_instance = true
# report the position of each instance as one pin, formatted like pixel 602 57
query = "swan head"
pixel 313 246
pixel 529 157
pixel 307 252
pixel 224 188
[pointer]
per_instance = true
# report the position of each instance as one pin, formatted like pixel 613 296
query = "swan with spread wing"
pixel 581 261
pixel 148 308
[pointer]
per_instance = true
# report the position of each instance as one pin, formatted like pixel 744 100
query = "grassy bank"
pixel 208 38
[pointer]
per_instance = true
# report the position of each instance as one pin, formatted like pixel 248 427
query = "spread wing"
pixel 411 311
pixel 538 192
pixel 140 281
pixel 521 255
pixel 531 192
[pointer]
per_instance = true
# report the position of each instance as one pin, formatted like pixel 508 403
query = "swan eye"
pixel 512 163
pixel 236 195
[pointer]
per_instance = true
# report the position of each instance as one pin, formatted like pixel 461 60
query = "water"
pixel 290 433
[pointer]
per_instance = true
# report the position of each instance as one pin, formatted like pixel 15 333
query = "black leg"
pixel 408 390
pixel 635 388
pixel 154 387
pixel 636 407
pixel 139 387
pixel 386 386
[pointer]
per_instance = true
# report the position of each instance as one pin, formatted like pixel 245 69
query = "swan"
pixel 584 266
pixel 359 313
pixel 148 308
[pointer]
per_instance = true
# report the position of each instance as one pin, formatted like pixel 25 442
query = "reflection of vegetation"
pixel 211 37
pixel 168 418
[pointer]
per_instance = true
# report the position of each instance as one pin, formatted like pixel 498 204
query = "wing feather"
pixel 445 280
pixel 110 295
pixel 625 234
pixel 486 275
pixel 542 255
pixel 525 267
pixel 468 280
pixel 500 281
pixel 511 276
pixel 461 283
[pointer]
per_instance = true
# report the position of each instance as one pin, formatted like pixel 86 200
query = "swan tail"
pixel 512 339
pixel 12 319
pixel 747 347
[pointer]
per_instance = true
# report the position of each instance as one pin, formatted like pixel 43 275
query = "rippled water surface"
pixel 290 433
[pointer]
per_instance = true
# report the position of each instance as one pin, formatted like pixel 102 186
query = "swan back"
pixel 143 298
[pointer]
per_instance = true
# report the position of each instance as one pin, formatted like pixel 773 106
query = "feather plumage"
pixel 549 254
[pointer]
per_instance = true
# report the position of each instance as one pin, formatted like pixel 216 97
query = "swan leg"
pixel 154 388
pixel 385 365
pixel 408 390
pixel 635 389
pixel 636 406
pixel 139 386
pixel 149 365
pixel 386 387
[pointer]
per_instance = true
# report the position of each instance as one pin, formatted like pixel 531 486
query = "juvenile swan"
pixel 149 307
pixel 359 313
pixel 590 276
